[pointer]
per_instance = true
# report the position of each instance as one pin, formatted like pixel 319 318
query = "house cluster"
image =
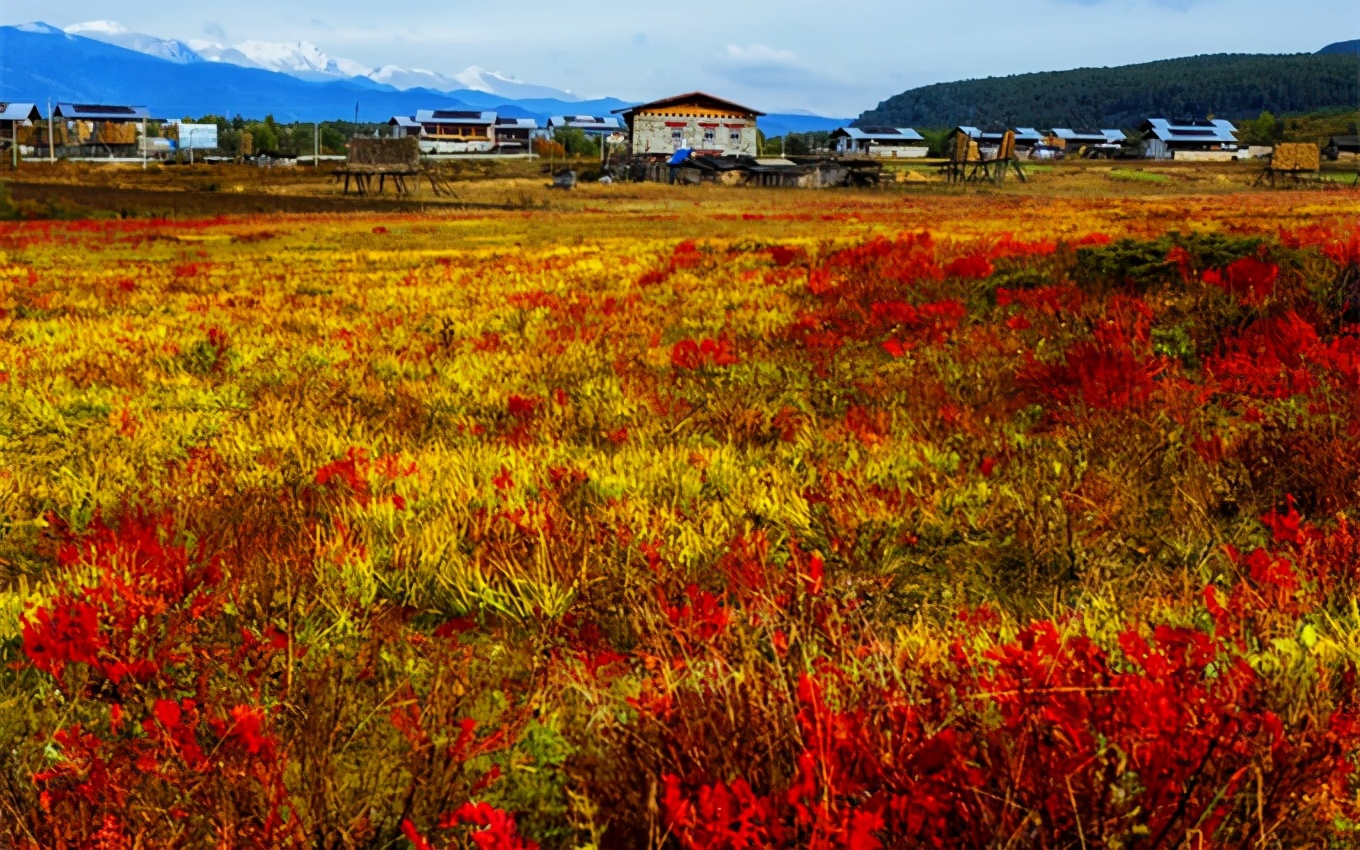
pixel 700 124
pixel 75 129
pixel 1157 138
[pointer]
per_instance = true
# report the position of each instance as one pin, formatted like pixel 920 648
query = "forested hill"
pixel 1232 86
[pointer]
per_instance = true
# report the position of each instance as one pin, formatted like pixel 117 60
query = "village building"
pixel 101 128
pixel 1204 141
pixel 403 127
pixel 17 117
pixel 453 131
pixel 1342 147
pixel 1091 143
pixel 595 125
pixel 1078 138
pixel 1026 138
pixel 456 131
pixel 514 135
pixel 889 142
pixel 707 125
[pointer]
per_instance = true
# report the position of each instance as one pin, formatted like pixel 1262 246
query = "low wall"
pixel 1204 156
pixel 890 152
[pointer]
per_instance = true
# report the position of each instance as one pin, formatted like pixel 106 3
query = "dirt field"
pixel 74 190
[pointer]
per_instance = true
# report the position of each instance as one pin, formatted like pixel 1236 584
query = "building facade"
pixel 886 142
pixel 453 131
pixel 702 123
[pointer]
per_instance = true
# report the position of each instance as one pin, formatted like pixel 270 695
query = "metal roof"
pixel 681 98
pixel 596 123
pixel 404 121
pixel 517 123
pixel 879 134
pixel 101 112
pixel 19 112
pixel 1022 134
pixel 1098 137
pixel 454 116
pixel 1218 130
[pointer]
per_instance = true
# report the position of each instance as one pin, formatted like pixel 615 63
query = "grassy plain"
pixel 649 516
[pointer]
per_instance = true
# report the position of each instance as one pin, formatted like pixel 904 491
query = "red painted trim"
pixel 677 123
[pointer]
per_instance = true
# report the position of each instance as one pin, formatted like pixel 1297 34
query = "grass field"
pixel 656 517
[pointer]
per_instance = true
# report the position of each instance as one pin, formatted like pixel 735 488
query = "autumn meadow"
pixel 704 519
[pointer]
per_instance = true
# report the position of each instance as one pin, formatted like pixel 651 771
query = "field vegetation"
pixel 687 520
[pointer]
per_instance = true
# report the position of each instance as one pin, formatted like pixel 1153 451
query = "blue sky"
pixel 831 57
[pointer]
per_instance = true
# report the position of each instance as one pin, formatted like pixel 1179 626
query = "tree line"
pixel 1232 86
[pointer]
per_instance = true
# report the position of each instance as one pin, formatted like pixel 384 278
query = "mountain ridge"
pixel 1233 86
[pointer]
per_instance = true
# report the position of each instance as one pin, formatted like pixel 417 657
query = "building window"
pixel 734 137
pixel 710 137
pixel 677 137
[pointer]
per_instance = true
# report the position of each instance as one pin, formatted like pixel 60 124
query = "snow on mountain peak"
pixel 299 57
pixel 112 32
pixel 38 28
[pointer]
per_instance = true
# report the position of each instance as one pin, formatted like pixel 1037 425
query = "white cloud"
pixel 758 55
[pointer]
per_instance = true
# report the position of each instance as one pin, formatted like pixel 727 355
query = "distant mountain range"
pixel 1232 86
pixel 104 62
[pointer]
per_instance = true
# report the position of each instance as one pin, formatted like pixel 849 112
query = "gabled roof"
pixel 879 134
pixel 454 116
pixel 101 112
pixel 404 121
pixel 658 105
pixel 1218 130
pixel 589 123
pixel 517 123
pixel 19 112
pixel 1098 137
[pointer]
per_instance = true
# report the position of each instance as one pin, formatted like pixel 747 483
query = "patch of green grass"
pixel 1137 175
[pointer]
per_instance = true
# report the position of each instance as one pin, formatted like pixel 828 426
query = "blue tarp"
pixel 680 156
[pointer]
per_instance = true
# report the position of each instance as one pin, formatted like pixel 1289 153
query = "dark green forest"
pixel 1233 86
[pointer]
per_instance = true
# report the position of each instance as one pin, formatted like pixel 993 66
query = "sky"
pixel 828 57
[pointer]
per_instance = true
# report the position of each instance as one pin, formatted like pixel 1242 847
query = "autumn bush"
pixel 851 522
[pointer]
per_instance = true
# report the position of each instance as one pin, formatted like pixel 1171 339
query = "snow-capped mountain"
pixel 306 61
pixel 112 32
pixel 299 59
pixel 494 82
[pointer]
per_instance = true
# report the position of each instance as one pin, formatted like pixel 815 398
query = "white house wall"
pixel 652 135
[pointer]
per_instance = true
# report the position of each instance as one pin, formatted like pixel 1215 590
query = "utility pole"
pixel 356 117
pixel 144 144
pixel 51 140
pixel 316 145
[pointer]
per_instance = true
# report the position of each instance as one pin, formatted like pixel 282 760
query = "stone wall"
pixel 657 134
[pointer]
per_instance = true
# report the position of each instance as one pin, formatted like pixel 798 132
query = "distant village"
pixel 707 135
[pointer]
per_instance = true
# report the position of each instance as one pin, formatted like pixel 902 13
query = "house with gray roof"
pixel 889 142
pixel 1190 140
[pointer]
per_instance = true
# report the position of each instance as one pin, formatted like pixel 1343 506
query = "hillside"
pixel 1232 86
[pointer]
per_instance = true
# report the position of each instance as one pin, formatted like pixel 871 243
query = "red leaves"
pixel 706 353
pixel 1106 373
pixel 1250 280
pixel 497 831
pixel 969 266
